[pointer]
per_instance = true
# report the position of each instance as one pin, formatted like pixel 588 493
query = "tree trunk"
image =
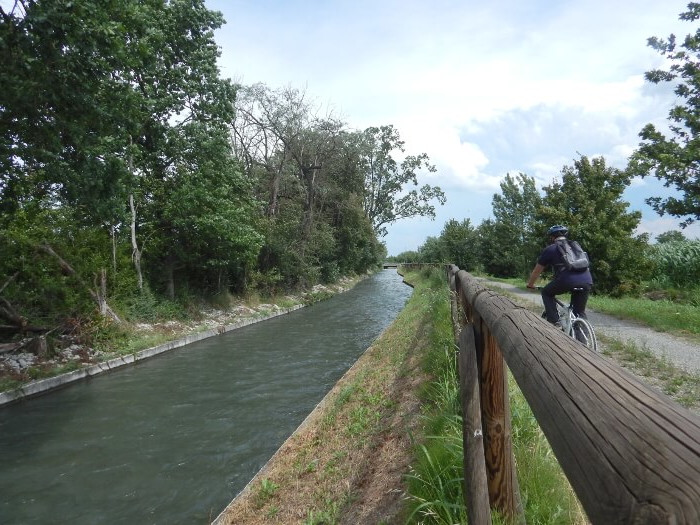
pixel 273 199
pixel 8 281
pixel 309 180
pixel 98 294
pixel 136 253
pixel 9 314
pixel 170 278
pixel 114 249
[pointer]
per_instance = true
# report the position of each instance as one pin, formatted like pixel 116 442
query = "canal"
pixel 174 438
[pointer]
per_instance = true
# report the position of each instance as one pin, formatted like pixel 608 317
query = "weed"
pixel 325 516
pixel 680 385
pixel 266 491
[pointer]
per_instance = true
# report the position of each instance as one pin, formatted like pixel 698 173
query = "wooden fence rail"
pixel 631 454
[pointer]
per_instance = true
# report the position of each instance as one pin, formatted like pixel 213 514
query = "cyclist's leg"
pixel 549 294
pixel 579 299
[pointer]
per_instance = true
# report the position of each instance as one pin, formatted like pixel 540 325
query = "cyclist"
pixel 579 282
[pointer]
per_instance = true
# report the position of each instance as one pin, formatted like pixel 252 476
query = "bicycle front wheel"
pixel 583 333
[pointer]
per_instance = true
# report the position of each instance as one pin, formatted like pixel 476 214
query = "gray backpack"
pixel 575 259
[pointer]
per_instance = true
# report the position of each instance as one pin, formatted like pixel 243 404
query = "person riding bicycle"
pixel 579 282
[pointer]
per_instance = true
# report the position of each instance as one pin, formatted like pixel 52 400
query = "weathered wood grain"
pixel 476 493
pixel 631 454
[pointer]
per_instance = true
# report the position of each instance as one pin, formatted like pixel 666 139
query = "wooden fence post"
pixel 476 493
pixel 504 493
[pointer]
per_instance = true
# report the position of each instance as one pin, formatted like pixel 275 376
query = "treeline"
pixel 135 178
pixel 588 199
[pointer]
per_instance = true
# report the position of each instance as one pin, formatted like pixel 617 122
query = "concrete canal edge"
pixel 44 386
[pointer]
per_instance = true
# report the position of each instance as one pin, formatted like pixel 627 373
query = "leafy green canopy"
pixel 507 245
pixel 385 180
pixel 103 101
pixel 676 159
pixel 91 91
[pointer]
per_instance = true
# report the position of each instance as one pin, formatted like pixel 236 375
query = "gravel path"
pixel 680 352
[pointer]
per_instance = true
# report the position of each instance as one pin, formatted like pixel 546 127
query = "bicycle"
pixel 576 327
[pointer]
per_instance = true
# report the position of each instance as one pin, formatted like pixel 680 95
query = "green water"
pixel 173 439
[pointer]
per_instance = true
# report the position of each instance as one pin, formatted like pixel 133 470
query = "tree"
pixel 589 202
pixel 459 244
pixel 206 224
pixel 676 160
pixel 670 236
pixel 385 180
pixel 304 166
pixel 432 251
pixel 514 231
pixel 113 107
pixel 266 124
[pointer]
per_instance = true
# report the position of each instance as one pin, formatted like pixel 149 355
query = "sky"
pixel 484 88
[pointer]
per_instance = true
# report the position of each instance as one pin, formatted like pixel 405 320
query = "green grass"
pixel 436 477
pixel 678 384
pixel 545 492
pixel 664 315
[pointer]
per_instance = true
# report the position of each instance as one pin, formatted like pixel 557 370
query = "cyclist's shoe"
pixel 558 325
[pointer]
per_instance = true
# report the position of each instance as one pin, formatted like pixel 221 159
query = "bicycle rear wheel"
pixel 584 334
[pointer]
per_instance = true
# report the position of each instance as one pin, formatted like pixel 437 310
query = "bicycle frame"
pixel 566 317
pixel 576 327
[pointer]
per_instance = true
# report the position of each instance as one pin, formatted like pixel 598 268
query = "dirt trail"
pixel 680 352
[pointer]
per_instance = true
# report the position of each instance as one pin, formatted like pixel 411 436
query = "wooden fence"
pixel 631 454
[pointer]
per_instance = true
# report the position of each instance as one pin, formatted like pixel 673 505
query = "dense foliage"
pixel 133 177
pixel 676 159
pixel 588 199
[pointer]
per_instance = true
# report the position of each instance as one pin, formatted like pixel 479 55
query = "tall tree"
pixel 514 225
pixel 670 236
pixel 386 180
pixel 676 159
pixel 206 227
pixel 100 106
pixel 265 125
pixel 589 201
pixel 459 244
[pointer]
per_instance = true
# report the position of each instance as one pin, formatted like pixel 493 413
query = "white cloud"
pixel 657 225
pixel 459 164
pixel 483 88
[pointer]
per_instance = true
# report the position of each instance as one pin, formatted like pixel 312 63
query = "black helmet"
pixel 558 229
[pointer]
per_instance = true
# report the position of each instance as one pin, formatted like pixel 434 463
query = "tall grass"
pixel 678 261
pixel 435 482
